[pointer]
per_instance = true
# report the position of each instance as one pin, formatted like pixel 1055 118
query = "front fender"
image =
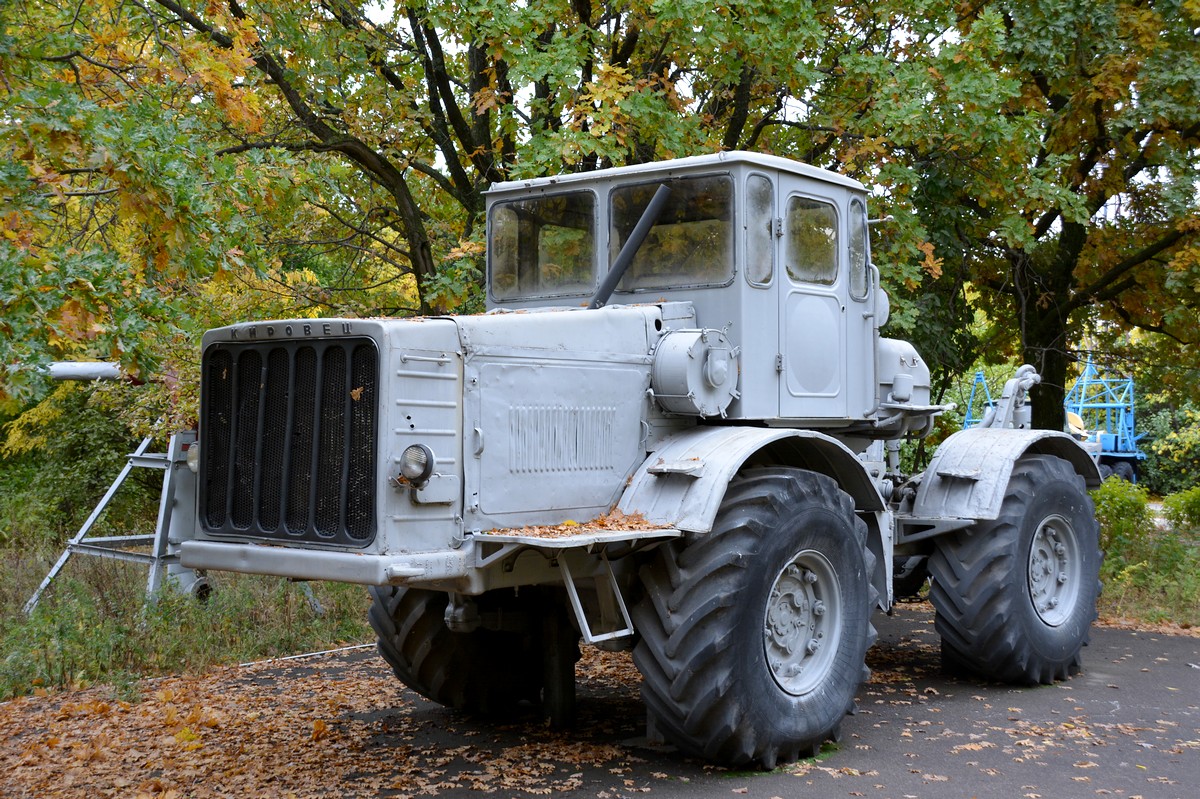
pixel 683 482
pixel 969 473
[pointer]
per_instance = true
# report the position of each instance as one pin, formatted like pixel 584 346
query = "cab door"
pixel 813 311
pixel 861 323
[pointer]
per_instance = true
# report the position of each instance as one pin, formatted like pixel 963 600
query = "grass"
pixel 1151 569
pixel 93 626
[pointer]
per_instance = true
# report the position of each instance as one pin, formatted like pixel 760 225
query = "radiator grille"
pixel 287 440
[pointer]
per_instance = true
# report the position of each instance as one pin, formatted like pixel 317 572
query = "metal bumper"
pixel 310 564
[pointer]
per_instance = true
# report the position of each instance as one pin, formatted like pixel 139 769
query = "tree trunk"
pixel 420 254
pixel 1045 347
pixel 1043 287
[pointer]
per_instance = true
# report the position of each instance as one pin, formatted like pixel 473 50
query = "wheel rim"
pixel 1054 570
pixel 802 623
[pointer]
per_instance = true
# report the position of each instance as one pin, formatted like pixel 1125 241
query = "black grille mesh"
pixel 288 440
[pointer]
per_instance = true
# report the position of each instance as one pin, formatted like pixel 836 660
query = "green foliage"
pixel 1172 447
pixel 1148 573
pixel 1123 511
pixel 1039 161
pixel 1183 511
pixel 1034 177
pixel 57 461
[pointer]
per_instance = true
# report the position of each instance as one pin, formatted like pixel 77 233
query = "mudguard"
pixel 969 473
pixel 683 482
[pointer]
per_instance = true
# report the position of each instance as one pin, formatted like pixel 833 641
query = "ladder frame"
pixel 163 558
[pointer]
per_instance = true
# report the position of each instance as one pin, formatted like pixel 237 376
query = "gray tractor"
pixel 675 431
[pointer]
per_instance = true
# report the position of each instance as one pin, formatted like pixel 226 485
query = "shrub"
pixel 1149 574
pixel 57 459
pixel 1126 524
pixel 1183 510
pixel 1172 449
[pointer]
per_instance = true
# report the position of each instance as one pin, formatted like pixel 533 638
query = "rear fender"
pixel 969 473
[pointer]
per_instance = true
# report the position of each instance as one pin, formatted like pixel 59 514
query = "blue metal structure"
pixel 1105 409
pixel 971 421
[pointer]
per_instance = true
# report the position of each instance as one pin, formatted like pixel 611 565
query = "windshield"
pixel 543 246
pixel 691 243
pixel 546 246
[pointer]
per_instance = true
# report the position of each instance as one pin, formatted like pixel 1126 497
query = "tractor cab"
pixel 774 253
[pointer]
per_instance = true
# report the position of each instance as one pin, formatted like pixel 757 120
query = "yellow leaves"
pixel 870 149
pixel 73 323
pixel 489 99
pixel 466 249
pixel 188 740
pixel 931 264
pixel 600 103
pixel 612 85
pixel 28 432
pixel 301 278
pixel 219 71
pixel 320 730
pixel 1189 224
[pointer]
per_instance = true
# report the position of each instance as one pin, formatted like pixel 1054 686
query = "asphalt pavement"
pixel 1127 726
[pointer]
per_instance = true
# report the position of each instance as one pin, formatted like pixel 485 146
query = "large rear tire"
pixel 1124 470
pixel 1015 597
pixel 485 672
pixel 753 636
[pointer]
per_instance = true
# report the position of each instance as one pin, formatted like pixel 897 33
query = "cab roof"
pixel 690 164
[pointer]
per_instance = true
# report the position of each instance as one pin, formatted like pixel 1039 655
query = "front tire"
pixel 484 672
pixel 753 636
pixel 1015 597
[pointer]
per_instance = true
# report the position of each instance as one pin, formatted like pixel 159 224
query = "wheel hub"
pixel 802 623
pixel 1054 570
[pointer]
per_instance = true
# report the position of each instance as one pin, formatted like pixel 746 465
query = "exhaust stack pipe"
pixel 83 370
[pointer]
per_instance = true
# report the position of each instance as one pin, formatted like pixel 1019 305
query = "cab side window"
pixel 859 260
pixel 760 228
pixel 811 241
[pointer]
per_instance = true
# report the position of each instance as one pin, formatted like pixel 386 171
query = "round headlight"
pixel 193 457
pixel 416 463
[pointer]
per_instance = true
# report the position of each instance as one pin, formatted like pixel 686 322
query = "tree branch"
pixel 1147 326
pixel 1086 296
pixel 371 163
